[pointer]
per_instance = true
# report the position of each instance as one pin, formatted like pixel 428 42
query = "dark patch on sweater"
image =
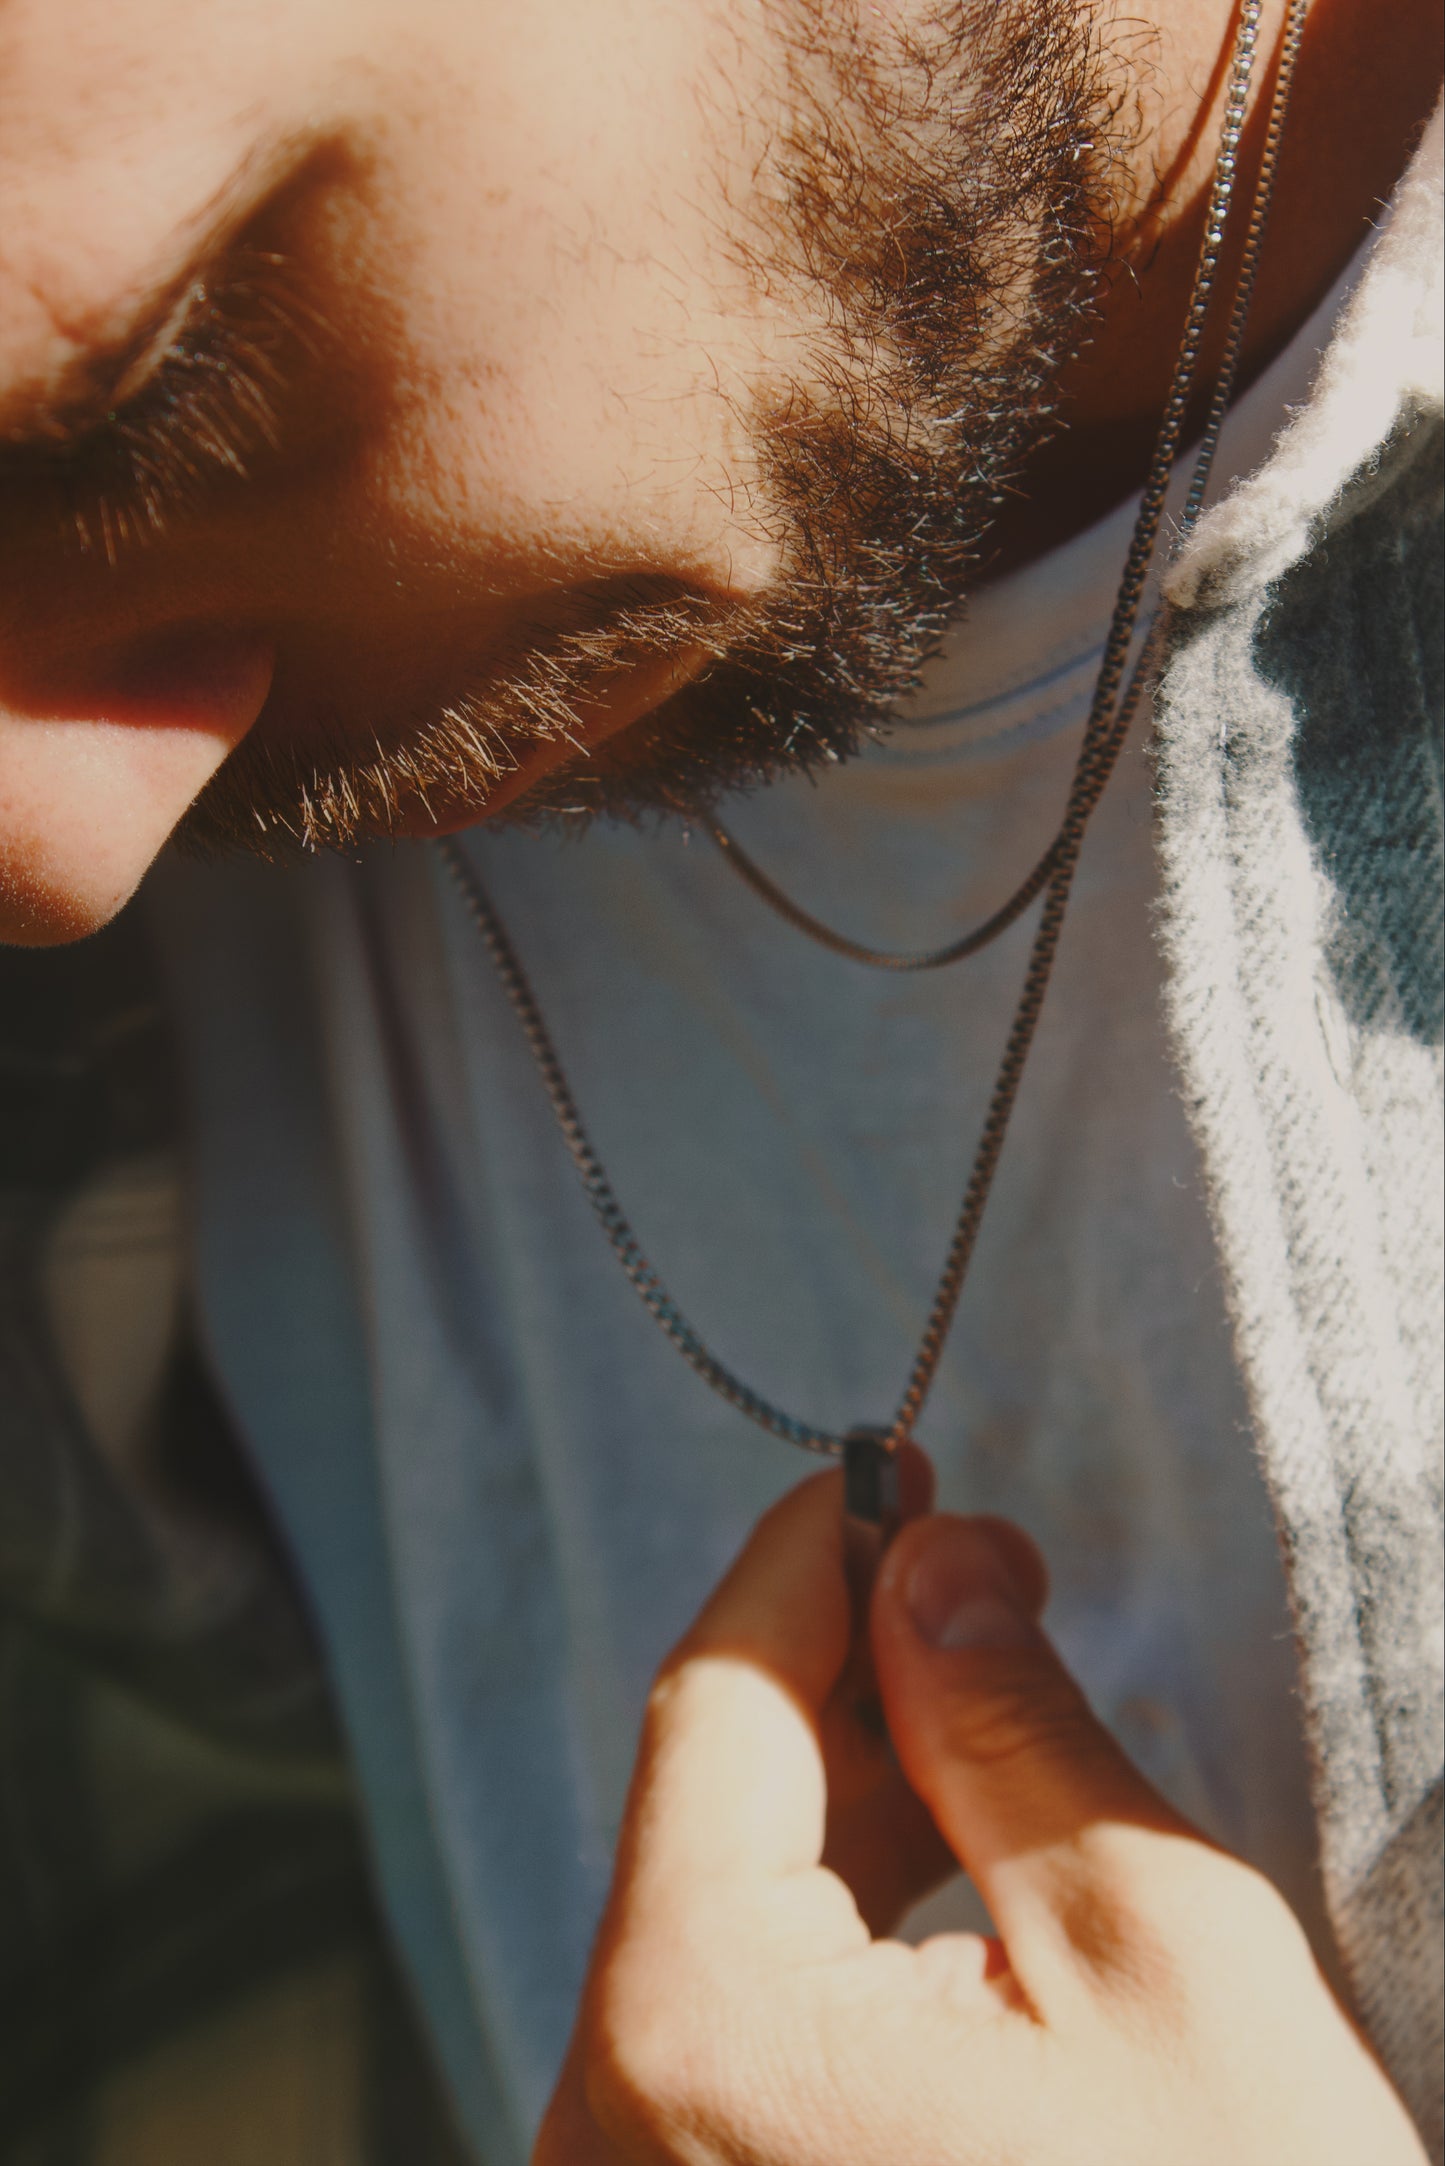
pixel 1353 636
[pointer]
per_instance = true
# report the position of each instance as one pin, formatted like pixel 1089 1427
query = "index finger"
pixel 730 1779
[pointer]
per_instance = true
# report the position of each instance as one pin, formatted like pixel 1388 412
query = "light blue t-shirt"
pixel 506 1492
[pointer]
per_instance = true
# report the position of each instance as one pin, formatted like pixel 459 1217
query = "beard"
pixel 936 201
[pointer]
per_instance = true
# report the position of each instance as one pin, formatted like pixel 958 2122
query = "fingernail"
pixel 960 1592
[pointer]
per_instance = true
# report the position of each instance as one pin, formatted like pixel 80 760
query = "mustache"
pixel 286 790
pixel 938 209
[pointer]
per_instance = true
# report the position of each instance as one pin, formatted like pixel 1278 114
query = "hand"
pixel 1150 2002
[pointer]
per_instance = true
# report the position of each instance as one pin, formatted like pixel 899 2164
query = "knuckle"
pixel 1220 1909
pixel 1147 1975
pixel 1183 1937
pixel 1023 1709
pixel 638 2066
pixel 658 2046
pixel 1253 1932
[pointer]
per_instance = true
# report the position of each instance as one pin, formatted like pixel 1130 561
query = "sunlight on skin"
pixel 1150 2001
pixel 516 228
pixel 142 749
pixel 535 346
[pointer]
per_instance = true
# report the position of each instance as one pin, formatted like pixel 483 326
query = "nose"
pixel 95 774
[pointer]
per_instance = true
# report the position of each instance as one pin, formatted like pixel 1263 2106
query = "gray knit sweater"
pixel 1299 762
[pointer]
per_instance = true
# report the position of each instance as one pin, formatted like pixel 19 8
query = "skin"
pixel 1149 2001
pixel 511 224
pixel 1358 105
pixel 533 393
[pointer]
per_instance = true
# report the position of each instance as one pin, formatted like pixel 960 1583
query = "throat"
pixel 1360 104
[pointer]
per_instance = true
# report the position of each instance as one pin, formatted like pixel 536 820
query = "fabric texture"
pixel 506 1492
pixel 1299 765
pixel 508 1495
pixel 167 1730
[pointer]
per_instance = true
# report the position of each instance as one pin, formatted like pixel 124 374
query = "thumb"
pixel 1026 1785
pixel 731 1774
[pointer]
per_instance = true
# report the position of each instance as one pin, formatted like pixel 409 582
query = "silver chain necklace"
pixel 869 1453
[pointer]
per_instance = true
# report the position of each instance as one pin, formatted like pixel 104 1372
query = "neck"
pixel 1360 99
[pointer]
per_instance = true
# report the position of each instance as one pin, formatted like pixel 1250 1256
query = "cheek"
pixel 93 780
pixel 564 367
pixel 606 434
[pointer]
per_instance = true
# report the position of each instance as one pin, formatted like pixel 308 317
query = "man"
pixel 416 419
